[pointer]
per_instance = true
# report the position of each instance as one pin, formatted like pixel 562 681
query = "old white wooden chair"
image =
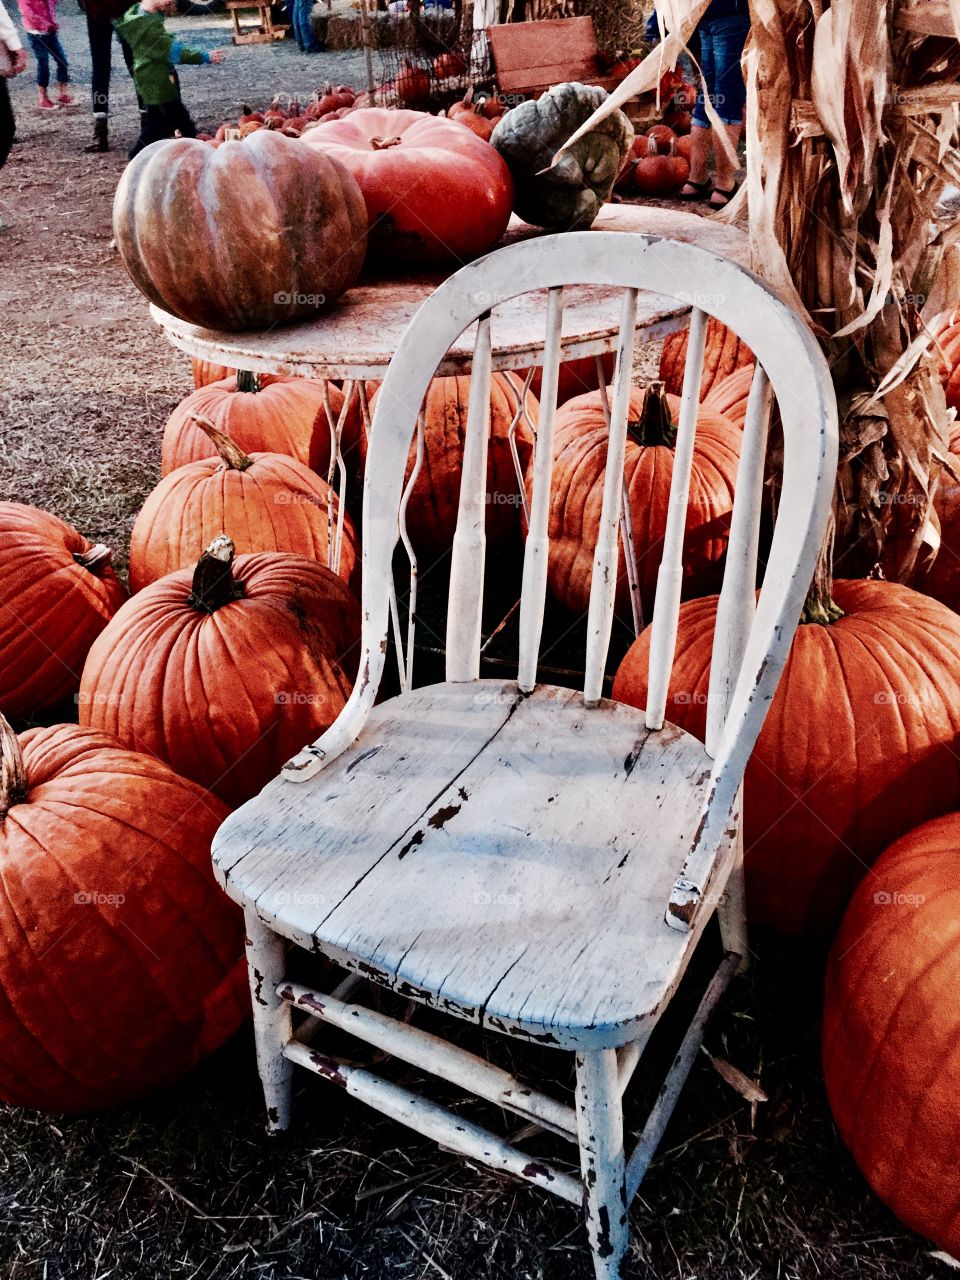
pixel 536 860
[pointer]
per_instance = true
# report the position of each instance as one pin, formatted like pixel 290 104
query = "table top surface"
pixel 357 337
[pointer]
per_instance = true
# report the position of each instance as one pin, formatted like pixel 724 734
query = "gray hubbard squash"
pixel 570 195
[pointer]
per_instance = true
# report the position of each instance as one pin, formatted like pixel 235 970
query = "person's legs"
pixel 58 53
pixel 729 37
pixel 180 120
pixel 305 38
pixel 8 126
pixel 42 55
pixel 698 181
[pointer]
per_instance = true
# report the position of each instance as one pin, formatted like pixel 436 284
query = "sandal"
pixel 701 191
pixel 725 197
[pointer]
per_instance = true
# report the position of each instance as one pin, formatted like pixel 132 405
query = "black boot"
pixel 101 140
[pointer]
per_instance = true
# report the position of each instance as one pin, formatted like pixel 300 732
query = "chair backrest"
pixel 752 638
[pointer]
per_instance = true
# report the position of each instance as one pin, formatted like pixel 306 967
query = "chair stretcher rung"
pixel 433 1121
pixel 437 1057
pixel 658 1118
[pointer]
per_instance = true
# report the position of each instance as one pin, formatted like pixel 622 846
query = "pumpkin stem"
pixel 96 559
pixel 13 775
pixel 655 424
pixel 247 380
pixel 231 455
pixel 213 582
pixel 819 606
pixel 381 144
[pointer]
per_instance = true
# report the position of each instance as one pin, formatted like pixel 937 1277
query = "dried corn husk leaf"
pixel 748 1089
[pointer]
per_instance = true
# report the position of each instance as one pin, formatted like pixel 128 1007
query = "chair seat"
pixel 505 858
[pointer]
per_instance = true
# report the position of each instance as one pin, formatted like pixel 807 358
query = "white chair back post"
pixel 798 375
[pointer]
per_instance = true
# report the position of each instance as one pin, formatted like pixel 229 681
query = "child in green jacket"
pixel 155 53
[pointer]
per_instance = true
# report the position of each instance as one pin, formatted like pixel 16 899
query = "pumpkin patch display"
pixel 859 746
pixel 433 504
pixel 568 195
pixel 435 194
pixel 253 233
pixel 121 962
pixel 723 353
pixel 580 451
pixel 57 593
pixel 259 414
pixel 269 502
pixel 226 670
pixel 891 1027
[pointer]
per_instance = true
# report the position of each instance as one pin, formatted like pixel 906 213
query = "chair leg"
pixel 600 1129
pixel 732 913
pixel 272 1024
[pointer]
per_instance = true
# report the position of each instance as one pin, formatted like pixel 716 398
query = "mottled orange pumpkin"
pixel 268 501
pixel 57 593
pixel 580 451
pixel 891 1030
pixel 226 670
pixel 861 743
pixel 121 962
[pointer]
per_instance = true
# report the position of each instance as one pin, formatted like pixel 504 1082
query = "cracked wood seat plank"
pixel 504 857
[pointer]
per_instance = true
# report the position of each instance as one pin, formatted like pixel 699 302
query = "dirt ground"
pixel 185 1185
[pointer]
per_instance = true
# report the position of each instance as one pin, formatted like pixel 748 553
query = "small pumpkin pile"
pixel 287 116
pixel 479 115
pixel 656 167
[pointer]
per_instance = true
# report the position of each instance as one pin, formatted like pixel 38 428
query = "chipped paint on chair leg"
pixel 272 1026
pixel 600 1124
pixel 732 911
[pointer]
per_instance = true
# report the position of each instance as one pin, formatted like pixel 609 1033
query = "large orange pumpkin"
pixel 580 452
pixel 268 501
pixel 121 962
pixel 226 671
pixel 57 593
pixel 891 1030
pixel 728 396
pixel 435 193
pixel 723 352
pixel 247 235
pixel 266 415
pixel 432 509
pixel 860 744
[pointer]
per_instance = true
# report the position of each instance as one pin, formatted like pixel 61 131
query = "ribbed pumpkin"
pixel 246 235
pixel 948 338
pixel 432 509
pixel 268 501
pixel 57 593
pixel 580 450
pixel 226 671
pixel 891 1030
pixel 728 395
pixel 265 415
pixel 860 743
pixel 942 579
pixel 121 962
pixel 575 378
pixel 723 352
pixel 205 372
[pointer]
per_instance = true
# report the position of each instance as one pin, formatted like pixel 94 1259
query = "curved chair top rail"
pixel 791 367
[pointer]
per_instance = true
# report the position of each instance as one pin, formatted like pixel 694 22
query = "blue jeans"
pixel 721 47
pixel 300 11
pixel 44 48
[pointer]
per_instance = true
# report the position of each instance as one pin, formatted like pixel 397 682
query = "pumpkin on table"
pixel 891 1030
pixel 121 962
pixel 268 501
pixel 723 353
pixel 435 194
pixel 57 593
pixel 226 670
pixel 580 452
pixel 433 503
pixel 570 195
pixel 260 414
pixel 250 234
pixel 861 743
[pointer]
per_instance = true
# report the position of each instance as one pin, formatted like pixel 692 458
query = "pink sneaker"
pixel 45 103
pixel 65 100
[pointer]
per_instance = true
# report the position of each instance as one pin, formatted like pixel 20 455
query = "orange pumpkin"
pixel 948 339
pixel 277 415
pixel 121 962
pixel 891 1030
pixel 57 593
pixel 658 171
pixel 268 501
pixel 575 378
pixel 580 450
pixel 723 352
pixel 432 508
pixel 859 746
pixel 226 670
pixel 663 138
pixel 942 579
pixel 729 395
pixel 205 372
